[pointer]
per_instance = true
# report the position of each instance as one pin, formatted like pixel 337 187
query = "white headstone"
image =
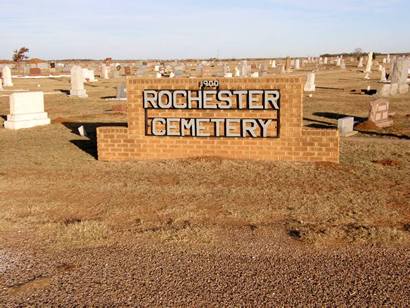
pixel 228 75
pixel 273 63
pixel 255 75
pixel 237 72
pixel 360 65
pixel 26 110
pixel 158 75
pixel 297 64
pixel 345 126
pixel 88 75
pixel 383 74
pixel 104 72
pixel 7 81
pixel 77 82
pixel 338 61
pixel 82 131
pixel 325 60
pixel 310 83
pixel 369 62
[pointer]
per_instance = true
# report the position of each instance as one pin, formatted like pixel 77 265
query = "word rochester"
pixel 221 101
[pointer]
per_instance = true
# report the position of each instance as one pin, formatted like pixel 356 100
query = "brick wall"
pixel 295 143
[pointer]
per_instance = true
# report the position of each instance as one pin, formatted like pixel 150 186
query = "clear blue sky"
pixel 131 29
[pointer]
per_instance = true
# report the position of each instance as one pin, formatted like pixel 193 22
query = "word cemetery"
pixel 233 118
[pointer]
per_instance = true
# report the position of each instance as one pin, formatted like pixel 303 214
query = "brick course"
pixel 295 143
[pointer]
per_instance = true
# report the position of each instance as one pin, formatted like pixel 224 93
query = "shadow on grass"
pixel 337 116
pixel 66 92
pixel 108 97
pixel 89 146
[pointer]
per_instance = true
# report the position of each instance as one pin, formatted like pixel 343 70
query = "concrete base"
pixel 79 93
pixel 349 134
pixel 384 124
pixel 26 120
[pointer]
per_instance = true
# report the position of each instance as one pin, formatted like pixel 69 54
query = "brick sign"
pixel 234 118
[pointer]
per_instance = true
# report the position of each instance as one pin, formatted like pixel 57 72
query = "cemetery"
pixel 204 154
pixel 191 164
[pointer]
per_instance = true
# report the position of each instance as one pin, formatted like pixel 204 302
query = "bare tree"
pixel 20 54
pixel 358 53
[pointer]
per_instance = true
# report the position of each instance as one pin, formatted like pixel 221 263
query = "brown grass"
pixel 56 195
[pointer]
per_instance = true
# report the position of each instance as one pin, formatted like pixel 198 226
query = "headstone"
pixel 77 82
pixel 360 65
pixel 273 63
pixel 369 62
pixel 345 126
pixel 237 72
pixel 379 113
pixel 367 76
pixel 6 76
pixel 385 90
pixel 228 75
pixel 310 83
pixel 88 75
pixel 288 64
pixel 297 64
pixel 383 74
pixel 26 110
pixel 343 65
pixel 255 75
pixel 82 131
pixel 399 74
pixel 325 61
pixel 282 69
pixel 338 61
pixel 104 72
pixel 35 71
pixel 394 89
pixel 127 70
pixel 121 92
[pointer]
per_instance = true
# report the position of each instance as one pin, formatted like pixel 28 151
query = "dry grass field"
pixel 74 230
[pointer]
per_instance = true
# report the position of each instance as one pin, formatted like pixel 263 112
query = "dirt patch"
pixel 29 286
pixel 387 162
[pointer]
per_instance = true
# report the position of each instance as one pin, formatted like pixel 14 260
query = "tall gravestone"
pixel 369 63
pixel 310 83
pixel 399 74
pixel 77 82
pixel 360 65
pixel 297 64
pixel 383 74
pixel 104 72
pixel 273 63
pixel 6 74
